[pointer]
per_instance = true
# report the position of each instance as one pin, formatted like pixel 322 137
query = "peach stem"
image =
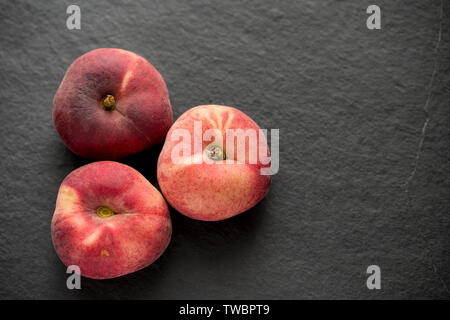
pixel 215 152
pixel 104 212
pixel 109 103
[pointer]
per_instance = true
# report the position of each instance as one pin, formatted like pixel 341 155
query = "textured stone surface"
pixel 360 183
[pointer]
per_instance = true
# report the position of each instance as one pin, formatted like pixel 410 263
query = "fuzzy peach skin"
pixel 110 104
pixel 84 232
pixel 211 191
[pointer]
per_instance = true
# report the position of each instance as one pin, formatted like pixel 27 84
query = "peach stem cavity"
pixel 215 152
pixel 109 103
pixel 105 212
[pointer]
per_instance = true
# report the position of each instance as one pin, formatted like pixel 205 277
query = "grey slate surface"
pixel 360 181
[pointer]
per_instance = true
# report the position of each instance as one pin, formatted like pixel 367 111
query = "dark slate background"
pixel 364 125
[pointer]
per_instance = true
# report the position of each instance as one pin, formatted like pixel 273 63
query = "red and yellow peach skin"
pixel 211 191
pixel 110 104
pixel 109 220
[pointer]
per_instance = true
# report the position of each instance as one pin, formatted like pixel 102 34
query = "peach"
pixel 109 220
pixel 210 180
pixel 110 104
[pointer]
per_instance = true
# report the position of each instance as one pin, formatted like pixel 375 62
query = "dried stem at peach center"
pixel 215 152
pixel 105 212
pixel 109 103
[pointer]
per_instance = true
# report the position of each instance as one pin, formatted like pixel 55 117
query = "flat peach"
pixel 222 187
pixel 111 103
pixel 109 220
